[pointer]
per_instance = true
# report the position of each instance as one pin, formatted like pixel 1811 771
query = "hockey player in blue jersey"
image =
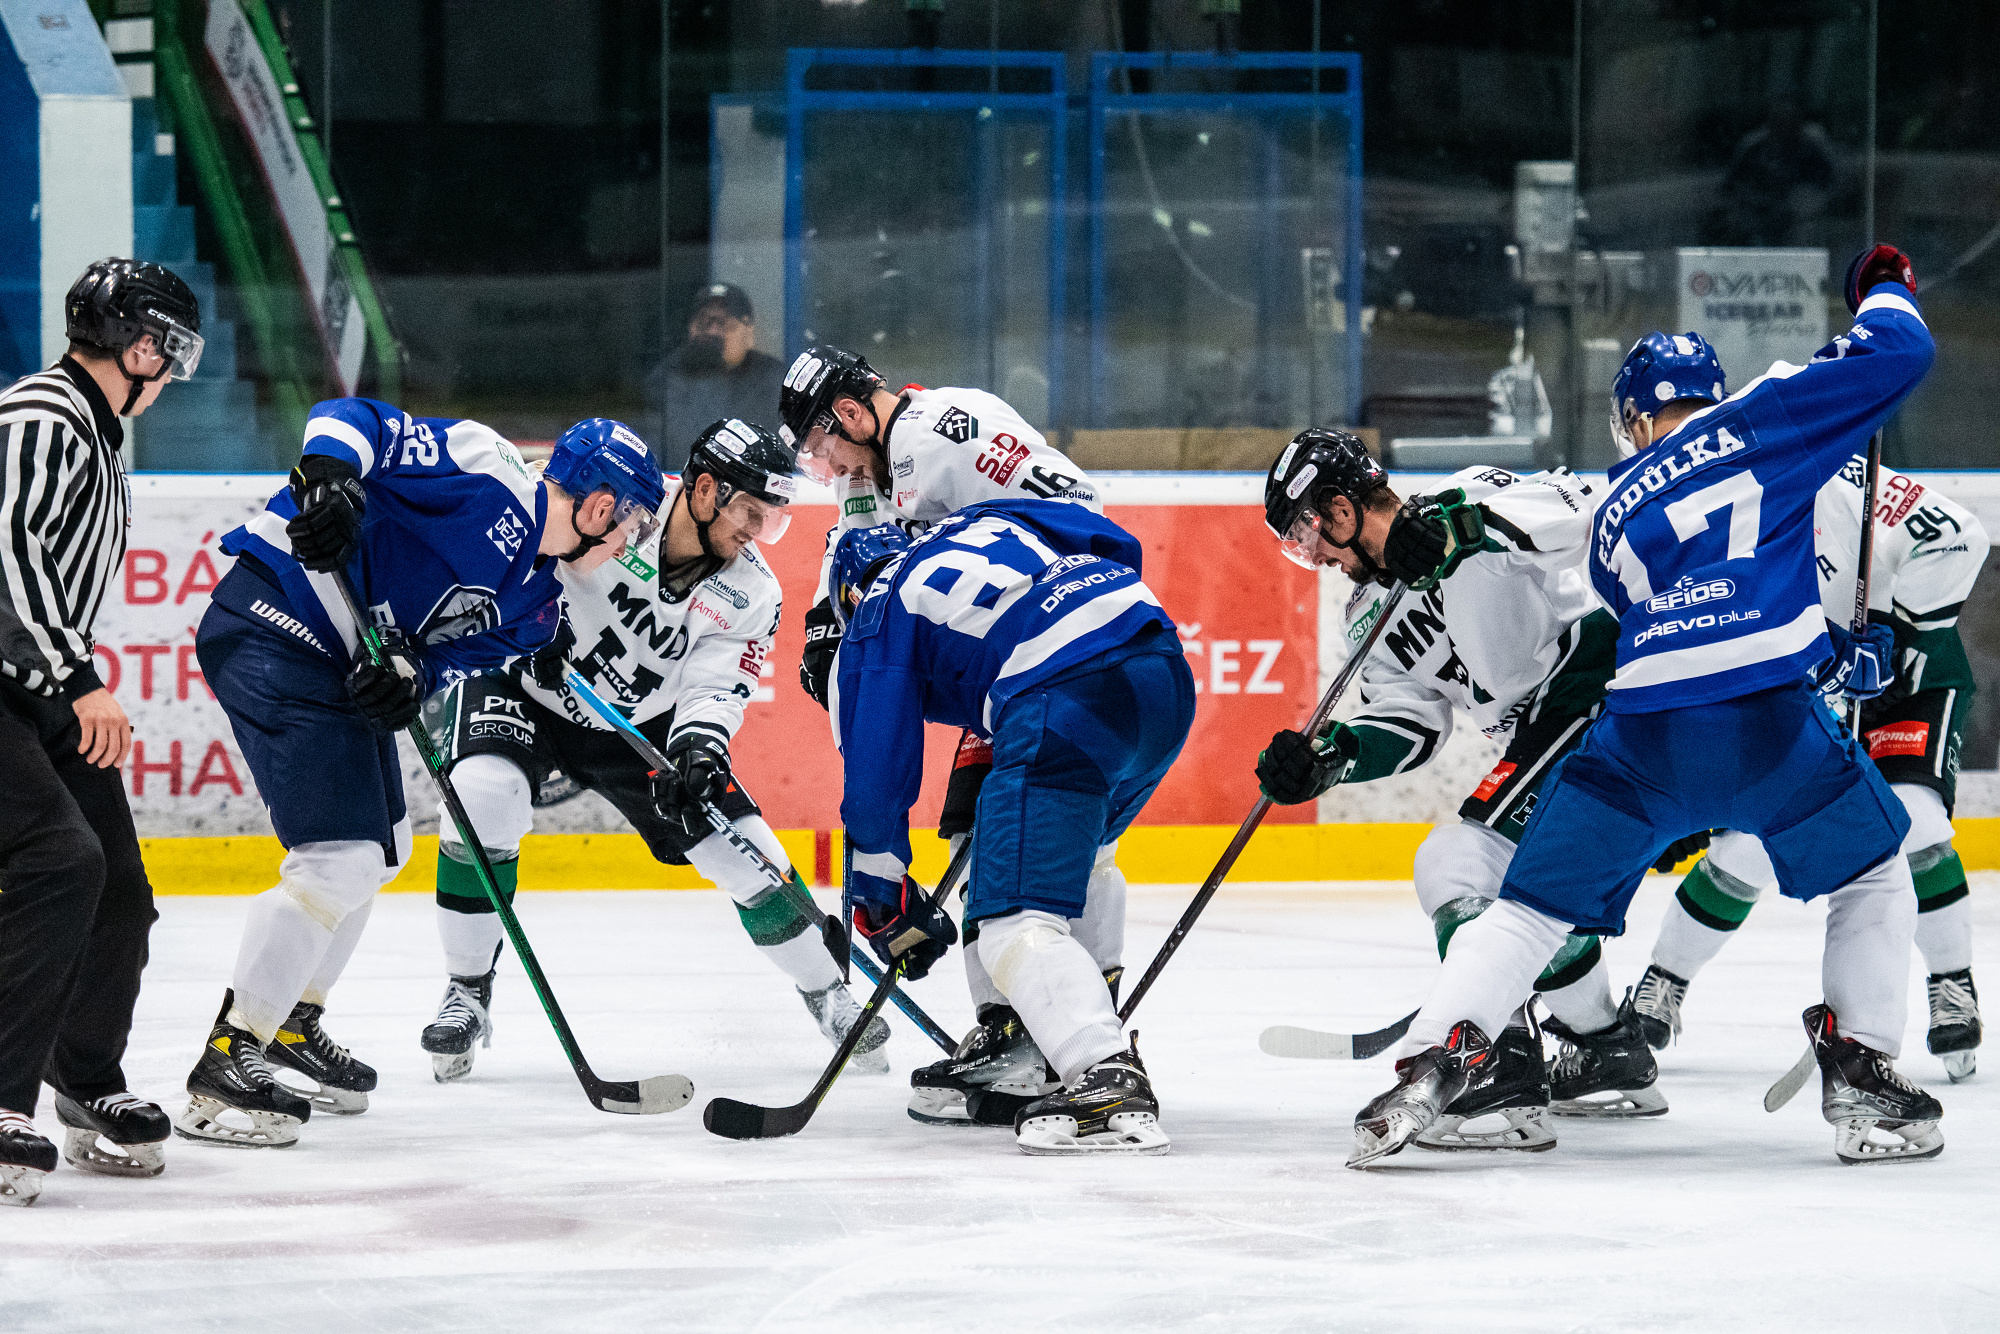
pixel 1025 621
pixel 446 537
pixel 1703 547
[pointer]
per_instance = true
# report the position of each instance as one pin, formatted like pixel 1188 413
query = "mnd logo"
pixel 1687 593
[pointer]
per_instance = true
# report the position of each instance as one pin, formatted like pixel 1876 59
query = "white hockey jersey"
pixel 698 657
pixel 1928 548
pixel 949 448
pixel 1487 639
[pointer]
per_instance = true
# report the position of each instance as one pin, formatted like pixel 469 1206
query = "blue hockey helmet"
pixel 1662 368
pixel 858 557
pixel 601 454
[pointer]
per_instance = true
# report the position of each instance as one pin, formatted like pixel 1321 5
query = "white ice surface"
pixel 507 1203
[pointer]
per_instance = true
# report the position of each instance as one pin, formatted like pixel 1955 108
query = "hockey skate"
pixel 1877 1115
pixel 1608 1074
pixel 996 1071
pixel 118 1135
pixel 835 1010
pixel 1506 1106
pixel 341 1084
pixel 464 1018
pixel 233 1077
pixel 1426 1084
pixel 1955 1030
pixel 25 1158
pixel 1109 1109
pixel 1657 1003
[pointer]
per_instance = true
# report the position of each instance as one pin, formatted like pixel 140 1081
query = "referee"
pixel 75 905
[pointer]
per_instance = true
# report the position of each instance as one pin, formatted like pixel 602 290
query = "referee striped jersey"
pixel 65 504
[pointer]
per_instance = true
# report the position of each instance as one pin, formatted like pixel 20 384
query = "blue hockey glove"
pixel 1431 536
pixel 1862 666
pixel 1292 769
pixel 328 493
pixel 898 919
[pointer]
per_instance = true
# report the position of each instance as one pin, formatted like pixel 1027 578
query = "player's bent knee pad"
pixel 1458 861
pixel 1745 868
pixel 330 880
pixel 497 800
pixel 1006 944
pixel 735 874
pixel 1929 824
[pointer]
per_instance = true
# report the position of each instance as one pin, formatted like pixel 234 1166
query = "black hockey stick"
pixel 1309 1044
pixel 743 1120
pixel 1327 702
pixel 643 1097
pixel 1871 483
pixel 830 927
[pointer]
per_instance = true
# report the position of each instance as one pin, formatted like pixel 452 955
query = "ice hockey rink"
pixel 507 1203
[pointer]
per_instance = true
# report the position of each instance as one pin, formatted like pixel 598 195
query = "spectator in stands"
pixel 717 373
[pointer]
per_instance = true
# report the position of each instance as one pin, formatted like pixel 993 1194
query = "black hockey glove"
pixel 389 696
pixel 1680 850
pixel 1431 536
pixel 328 493
pixel 822 642
pixel 547 664
pixel 908 926
pixel 1292 769
pixel 697 772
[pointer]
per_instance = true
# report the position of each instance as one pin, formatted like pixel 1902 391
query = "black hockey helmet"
pixel 1317 465
pixel 754 476
pixel 119 301
pixel 819 375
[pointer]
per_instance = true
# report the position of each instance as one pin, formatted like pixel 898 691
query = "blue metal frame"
pixel 1102 102
pixel 1054 104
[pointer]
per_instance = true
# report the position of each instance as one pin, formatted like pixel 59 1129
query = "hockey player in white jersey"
pixel 1506 633
pixel 675 634
pixel 910 458
pixel 1928 551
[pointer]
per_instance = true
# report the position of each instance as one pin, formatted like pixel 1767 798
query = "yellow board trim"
pixel 1148 854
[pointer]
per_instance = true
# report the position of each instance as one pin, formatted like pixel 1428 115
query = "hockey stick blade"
pixel 1791 1082
pixel 1309 1044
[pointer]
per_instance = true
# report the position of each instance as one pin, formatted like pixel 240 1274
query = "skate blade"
pixel 1382 1138
pixel 202 1122
pixel 1865 1140
pixel 20 1185
pixel 447 1066
pixel 82 1148
pixel 1612 1105
pixel 1960 1065
pixel 1126 1132
pixel 323 1097
pixel 939 1107
pixel 1522 1129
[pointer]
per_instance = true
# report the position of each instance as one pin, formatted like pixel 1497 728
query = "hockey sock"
pixel 1707 908
pixel 288 929
pixel 1101 929
pixel 1944 912
pixel 1865 971
pixel 345 938
pixel 1490 971
pixel 781 934
pixel 1576 986
pixel 978 982
pixel 1056 988
pixel 468 928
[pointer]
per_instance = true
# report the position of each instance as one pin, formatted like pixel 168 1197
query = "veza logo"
pixel 957 425
pixel 1687 593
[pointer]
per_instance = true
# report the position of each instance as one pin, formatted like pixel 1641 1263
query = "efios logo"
pixel 1701 284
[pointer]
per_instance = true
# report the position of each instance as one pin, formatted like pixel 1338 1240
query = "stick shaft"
pixel 1865 567
pixel 1328 702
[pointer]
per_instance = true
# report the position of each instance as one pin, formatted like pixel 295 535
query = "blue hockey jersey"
pixel 1704 544
pixel 448 542
pixel 995 598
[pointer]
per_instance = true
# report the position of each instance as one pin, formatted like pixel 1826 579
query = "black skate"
pixel 1657 1003
pixel 1426 1084
pixel 1607 1074
pixel 118 1135
pixel 464 1018
pixel 341 1084
pixel 835 1009
pixel 1955 1030
pixel 995 1072
pixel 232 1076
pixel 1506 1106
pixel 1109 1109
pixel 1877 1115
pixel 25 1158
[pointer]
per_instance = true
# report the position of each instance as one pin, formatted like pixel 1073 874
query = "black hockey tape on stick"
pixel 830 927
pixel 1865 567
pixel 643 1097
pixel 1309 1044
pixel 744 1120
pixel 1327 703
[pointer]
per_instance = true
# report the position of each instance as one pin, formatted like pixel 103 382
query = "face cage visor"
pixel 817 463
pixel 1304 545
pixel 638 521
pixel 763 520
pixel 181 347
pixel 1621 435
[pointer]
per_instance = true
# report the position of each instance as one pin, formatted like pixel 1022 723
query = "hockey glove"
pixel 391 695
pixel 1431 536
pixel 899 920
pixel 822 642
pixel 1680 850
pixel 1877 264
pixel 1292 769
pixel 547 664
pixel 1862 666
pixel 328 493
pixel 697 771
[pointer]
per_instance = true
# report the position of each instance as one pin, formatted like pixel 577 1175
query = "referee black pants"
pixel 75 908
